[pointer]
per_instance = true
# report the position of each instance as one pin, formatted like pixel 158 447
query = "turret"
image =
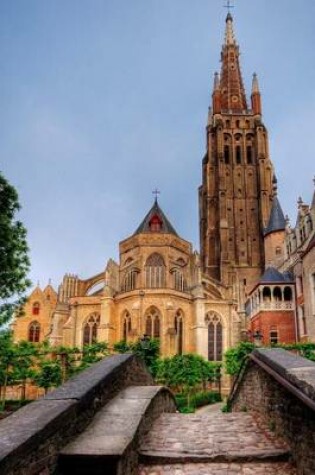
pixel 275 232
pixel 216 95
pixel 256 97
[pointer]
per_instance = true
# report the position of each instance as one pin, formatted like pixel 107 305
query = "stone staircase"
pixel 213 444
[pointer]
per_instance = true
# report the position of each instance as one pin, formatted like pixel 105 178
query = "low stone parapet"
pixel 31 438
pixel 280 387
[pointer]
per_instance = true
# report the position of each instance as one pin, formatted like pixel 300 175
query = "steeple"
pixel 231 85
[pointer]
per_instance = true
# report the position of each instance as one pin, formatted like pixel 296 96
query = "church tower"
pixel 235 197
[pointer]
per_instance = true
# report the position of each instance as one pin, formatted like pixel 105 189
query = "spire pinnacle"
pixel 229 31
pixel 255 84
pixel 216 83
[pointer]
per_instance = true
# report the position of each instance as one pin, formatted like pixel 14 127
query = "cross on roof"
pixel 228 5
pixel 156 192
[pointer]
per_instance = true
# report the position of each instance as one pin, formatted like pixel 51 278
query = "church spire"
pixel 229 31
pixel 231 84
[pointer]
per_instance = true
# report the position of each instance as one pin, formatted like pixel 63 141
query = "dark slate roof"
pixel 276 219
pixel 273 275
pixel 166 225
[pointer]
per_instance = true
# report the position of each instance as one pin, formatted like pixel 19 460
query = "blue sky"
pixel 104 100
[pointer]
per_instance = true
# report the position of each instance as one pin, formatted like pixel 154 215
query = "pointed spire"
pixel 216 82
pixel 255 85
pixel 229 31
pixel 233 97
pixel 277 220
pixel 216 96
pixel 256 99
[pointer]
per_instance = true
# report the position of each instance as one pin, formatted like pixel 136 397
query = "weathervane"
pixel 228 5
pixel 156 192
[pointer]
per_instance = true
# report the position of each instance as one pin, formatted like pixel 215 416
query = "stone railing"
pixel 272 305
pixel 32 437
pixel 280 387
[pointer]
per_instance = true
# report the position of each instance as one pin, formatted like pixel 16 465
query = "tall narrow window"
pixel 34 332
pixel 130 282
pixel 36 308
pixel 226 154
pixel 215 337
pixel 179 334
pixel 249 153
pixel 273 337
pixel 238 153
pixel 179 281
pixel 90 329
pixel 127 326
pixel 152 324
pixel 155 271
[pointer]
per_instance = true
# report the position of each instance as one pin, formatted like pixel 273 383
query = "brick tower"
pixel 236 193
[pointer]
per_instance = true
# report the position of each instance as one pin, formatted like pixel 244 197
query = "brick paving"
pixel 213 444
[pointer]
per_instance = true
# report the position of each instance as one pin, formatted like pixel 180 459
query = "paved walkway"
pixel 213 444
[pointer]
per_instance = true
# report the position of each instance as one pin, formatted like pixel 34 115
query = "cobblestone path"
pixel 213 444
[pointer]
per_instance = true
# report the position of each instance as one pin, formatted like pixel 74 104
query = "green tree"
pixel 234 357
pixel 23 367
pixel 14 261
pixel 7 360
pixel 93 353
pixel 49 374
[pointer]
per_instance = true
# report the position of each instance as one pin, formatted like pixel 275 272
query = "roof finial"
pixel 229 33
pixel 156 192
pixel 228 6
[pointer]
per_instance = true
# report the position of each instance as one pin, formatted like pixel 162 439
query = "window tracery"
pixel 215 337
pixel 90 329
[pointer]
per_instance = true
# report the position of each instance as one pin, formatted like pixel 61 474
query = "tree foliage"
pixel 184 373
pixel 148 352
pixel 14 261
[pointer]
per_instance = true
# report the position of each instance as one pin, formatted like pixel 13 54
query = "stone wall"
pixel 30 439
pixel 280 387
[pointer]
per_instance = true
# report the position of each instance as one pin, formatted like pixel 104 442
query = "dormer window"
pixel 155 224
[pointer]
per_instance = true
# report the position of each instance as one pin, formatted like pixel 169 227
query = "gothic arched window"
pixel 36 308
pixel 34 332
pixel 179 332
pixel 155 272
pixel 127 327
pixel 215 337
pixel 179 281
pixel 153 323
pixel 90 329
pixel 130 282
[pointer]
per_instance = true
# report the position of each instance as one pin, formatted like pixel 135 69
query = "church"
pixel 161 287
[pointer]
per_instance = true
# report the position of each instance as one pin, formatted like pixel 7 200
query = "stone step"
pixel 276 468
pixel 109 444
pixel 214 438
